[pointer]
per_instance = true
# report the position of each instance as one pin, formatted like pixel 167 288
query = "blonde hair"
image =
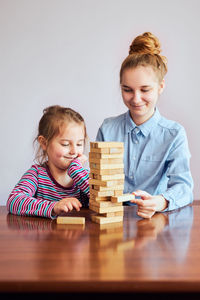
pixel 145 51
pixel 51 124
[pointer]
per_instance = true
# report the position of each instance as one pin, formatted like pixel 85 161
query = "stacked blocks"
pixel 107 181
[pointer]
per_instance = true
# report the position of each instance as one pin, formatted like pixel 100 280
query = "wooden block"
pixel 105 188
pixel 100 150
pixel 70 220
pixel 107 177
pixel 107 172
pixel 108 215
pixel 118 193
pixel 113 214
pixel 104 220
pixel 95 198
pixel 103 155
pixel 122 198
pixel 102 210
pixel 102 193
pixel 104 203
pixel 108 161
pixel 106 144
pixel 97 182
pixel 116 150
pixel 105 166
pixel 108 183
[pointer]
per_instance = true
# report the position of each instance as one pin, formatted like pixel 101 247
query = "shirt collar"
pixel 146 127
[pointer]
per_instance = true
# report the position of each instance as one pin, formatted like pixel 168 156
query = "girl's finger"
pixel 145 215
pixel 142 194
pixel 69 205
pixel 146 211
pixel 144 203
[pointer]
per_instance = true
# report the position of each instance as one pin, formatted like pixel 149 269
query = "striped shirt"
pixel 37 192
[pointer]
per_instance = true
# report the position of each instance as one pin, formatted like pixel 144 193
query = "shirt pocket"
pixel 151 165
pixel 152 158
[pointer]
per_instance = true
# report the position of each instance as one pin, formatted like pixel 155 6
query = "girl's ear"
pixel 161 87
pixel 42 141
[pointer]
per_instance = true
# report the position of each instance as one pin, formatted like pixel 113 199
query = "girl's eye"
pixel 65 145
pixel 145 91
pixel 79 145
pixel 127 91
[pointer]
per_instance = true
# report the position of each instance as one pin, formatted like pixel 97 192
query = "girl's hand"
pixel 82 157
pixel 148 205
pixel 65 205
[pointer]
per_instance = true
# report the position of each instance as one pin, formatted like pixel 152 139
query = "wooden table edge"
pixel 101 287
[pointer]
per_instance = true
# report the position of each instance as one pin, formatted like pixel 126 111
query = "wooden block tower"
pixel 107 181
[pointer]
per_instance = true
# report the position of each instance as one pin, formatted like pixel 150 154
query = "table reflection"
pixel 102 251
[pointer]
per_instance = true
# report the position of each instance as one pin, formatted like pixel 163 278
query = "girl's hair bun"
pixel 147 43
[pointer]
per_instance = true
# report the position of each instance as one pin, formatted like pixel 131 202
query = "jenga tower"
pixel 107 181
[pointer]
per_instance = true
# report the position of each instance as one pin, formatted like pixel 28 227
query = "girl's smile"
pixel 140 91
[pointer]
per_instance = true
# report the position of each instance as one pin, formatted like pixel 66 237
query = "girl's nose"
pixel 136 97
pixel 72 150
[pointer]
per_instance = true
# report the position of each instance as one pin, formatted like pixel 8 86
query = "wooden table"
pixel 138 255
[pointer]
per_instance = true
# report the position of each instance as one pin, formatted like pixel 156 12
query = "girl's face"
pixel 140 90
pixel 66 146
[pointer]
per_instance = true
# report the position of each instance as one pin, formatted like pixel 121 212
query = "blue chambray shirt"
pixel 156 156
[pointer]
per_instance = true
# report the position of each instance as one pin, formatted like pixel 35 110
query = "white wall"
pixel 69 52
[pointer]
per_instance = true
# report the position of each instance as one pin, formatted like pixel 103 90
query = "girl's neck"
pixel 60 176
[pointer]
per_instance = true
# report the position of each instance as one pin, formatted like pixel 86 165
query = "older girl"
pixel 156 157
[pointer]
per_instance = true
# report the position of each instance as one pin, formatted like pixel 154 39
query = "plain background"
pixel 69 52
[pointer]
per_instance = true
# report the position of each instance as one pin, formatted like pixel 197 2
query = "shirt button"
pixel 134 157
pixel 135 141
pixel 136 130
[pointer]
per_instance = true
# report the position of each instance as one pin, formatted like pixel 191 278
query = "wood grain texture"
pixel 157 255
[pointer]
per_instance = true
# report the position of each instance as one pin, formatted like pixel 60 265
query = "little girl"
pixel 156 153
pixel 58 183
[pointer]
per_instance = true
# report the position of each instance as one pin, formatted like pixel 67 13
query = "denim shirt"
pixel 156 156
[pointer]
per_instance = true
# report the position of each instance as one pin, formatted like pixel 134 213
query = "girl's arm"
pixel 180 183
pixel 80 176
pixel 22 199
pixel 179 190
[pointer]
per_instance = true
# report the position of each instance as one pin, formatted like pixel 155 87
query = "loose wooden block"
pixel 107 172
pixel 102 210
pixel 103 155
pixel 106 166
pixel 104 220
pixel 105 188
pixel 106 144
pixel 104 203
pixel 109 161
pixel 70 220
pixel 122 198
pixel 107 177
